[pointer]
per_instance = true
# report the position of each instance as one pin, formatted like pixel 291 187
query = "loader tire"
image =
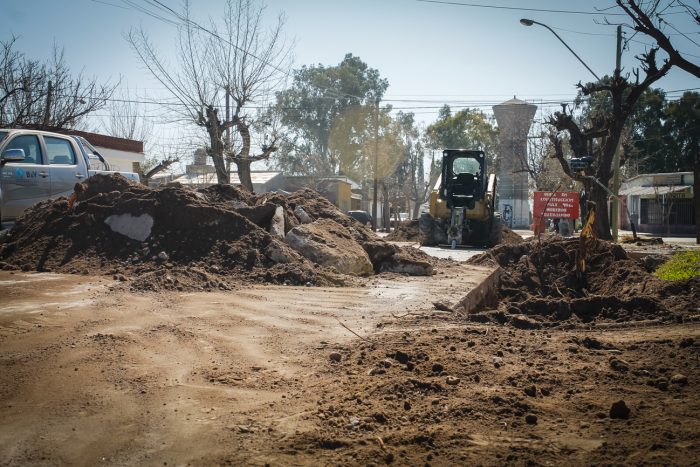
pixel 496 231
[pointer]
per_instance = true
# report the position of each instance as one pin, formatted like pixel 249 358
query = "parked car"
pixel 363 216
pixel 398 218
pixel 39 165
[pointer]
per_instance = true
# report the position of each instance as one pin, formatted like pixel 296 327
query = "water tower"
pixel 514 118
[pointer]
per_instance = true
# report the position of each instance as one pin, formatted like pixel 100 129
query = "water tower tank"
pixel 200 157
pixel 514 119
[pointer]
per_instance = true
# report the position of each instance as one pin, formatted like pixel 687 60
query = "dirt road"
pixel 297 375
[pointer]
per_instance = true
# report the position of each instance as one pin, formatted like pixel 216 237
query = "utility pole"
pixel 696 196
pixel 376 164
pixel 49 99
pixel 616 158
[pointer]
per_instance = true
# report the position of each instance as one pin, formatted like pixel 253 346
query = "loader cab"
pixel 462 181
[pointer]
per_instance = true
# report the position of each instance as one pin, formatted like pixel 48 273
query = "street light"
pixel 529 22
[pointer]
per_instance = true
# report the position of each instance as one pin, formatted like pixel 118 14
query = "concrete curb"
pixel 483 294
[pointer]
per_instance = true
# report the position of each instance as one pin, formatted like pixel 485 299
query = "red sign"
pixel 556 205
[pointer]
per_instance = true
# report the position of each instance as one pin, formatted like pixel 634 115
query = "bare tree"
pixel 544 169
pixel 600 139
pixel 239 61
pixel 45 96
pixel 647 19
pixel 128 119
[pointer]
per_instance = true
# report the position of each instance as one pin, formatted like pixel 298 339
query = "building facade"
pixel 659 203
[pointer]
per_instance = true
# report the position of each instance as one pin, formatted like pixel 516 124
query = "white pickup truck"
pixel 39 165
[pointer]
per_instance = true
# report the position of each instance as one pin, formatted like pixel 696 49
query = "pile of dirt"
pixel 509 237
pixel 540 286
pixel 409 231
pixel 406 231
pixel 177 238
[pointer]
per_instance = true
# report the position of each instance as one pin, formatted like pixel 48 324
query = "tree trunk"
pixel 386 209
pixel 216 142
pixel 416 210
pixel 244 175
pixel 222 175
pixel 602 221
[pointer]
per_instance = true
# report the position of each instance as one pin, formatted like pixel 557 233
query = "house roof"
pixel 258 178
pixel 109 142
pixel 653 190
pixel 661 174
pixel 336 178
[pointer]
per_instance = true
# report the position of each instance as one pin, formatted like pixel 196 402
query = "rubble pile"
pixel 212 238
pixel 540 286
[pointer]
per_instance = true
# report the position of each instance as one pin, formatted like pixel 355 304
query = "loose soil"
pixel 278 375
pixel 540 286
pixel 211 368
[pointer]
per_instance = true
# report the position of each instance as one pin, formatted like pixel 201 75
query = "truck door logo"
pixel 21 173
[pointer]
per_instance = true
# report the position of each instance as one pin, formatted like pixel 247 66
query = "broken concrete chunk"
pixel 134 227
pixel 260 215
pixel 303 217
pixel 379 251
pixel 281 253
pixel 277 223
pixel 408 266
pixel 328 243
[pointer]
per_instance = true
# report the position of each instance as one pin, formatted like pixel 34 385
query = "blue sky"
pixel 432 52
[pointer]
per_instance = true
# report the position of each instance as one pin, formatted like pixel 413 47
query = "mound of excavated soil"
pixel 509 237
pixel 409 231
pixel 406 231
pixel 540 286
pixel 177 238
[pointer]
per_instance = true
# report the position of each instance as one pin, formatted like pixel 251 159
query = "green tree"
pixel 681 131
pixel 319 96
pixel 409 187
pixel 468 129
pixel 644 141
pixel 641 137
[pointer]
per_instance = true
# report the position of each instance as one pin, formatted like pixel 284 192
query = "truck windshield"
pixel 465 165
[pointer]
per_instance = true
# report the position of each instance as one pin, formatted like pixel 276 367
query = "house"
pixel 343 192
pixel 659 203
pixel 120 153
pixel 263 181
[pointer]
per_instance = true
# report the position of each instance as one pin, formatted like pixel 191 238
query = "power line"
pixel 161 6
pixel 456 104
pixel 501 7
